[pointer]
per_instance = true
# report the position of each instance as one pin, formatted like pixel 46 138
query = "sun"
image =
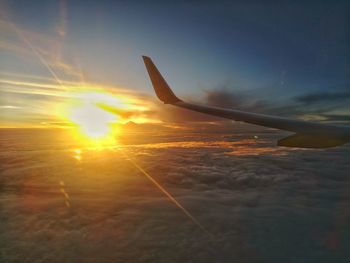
pixel 93 121
pixel 93 124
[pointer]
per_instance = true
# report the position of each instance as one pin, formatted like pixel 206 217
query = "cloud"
pixel 313 106
pixel 216 97
pixel 238 100
pixel 324 97
pixel 63 21
pixel 224 98
pixel 292 196
pixel 169 113
pixel 41 50
pixel 34 95
pixel 128 113
pixel 12 107
pixel 340 117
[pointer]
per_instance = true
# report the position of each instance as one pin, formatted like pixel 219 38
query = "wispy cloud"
pixel 34 94
pixel 324 97
pixel 34 47
pixel 8 107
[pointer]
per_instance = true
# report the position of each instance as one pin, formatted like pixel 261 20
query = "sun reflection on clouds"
pixel 242 147
pixel 77 154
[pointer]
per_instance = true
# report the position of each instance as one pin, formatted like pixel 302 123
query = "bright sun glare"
pixel 93 122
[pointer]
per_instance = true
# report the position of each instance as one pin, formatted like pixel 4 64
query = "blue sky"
pixel 277 51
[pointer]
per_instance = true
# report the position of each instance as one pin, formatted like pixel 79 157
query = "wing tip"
pixel 145 58
pixel 160 86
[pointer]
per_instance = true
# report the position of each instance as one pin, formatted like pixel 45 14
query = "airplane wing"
pixel 307 134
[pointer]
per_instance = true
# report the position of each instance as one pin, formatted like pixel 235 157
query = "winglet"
pixel 162 89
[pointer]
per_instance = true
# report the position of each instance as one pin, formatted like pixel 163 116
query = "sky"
pixel 158 188
pixel 285 58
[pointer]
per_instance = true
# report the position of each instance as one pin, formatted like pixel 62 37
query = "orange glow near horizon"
pixel 92 107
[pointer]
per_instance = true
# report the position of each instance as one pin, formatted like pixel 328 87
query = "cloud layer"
pixel 260 203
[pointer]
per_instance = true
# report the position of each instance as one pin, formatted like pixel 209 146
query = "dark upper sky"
pixel 280 50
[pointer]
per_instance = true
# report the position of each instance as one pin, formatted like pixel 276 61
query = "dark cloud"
pixel 127 114
pixel 224 98
pixel 169 113
pixel 216 97
pixel 238 100
pixel 315 105
pixel 324 97
pixel 345 118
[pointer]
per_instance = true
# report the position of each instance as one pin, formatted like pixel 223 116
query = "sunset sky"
pixel 290 60
pixel 95 168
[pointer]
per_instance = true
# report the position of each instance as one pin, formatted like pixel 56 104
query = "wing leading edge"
pixel 307 134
